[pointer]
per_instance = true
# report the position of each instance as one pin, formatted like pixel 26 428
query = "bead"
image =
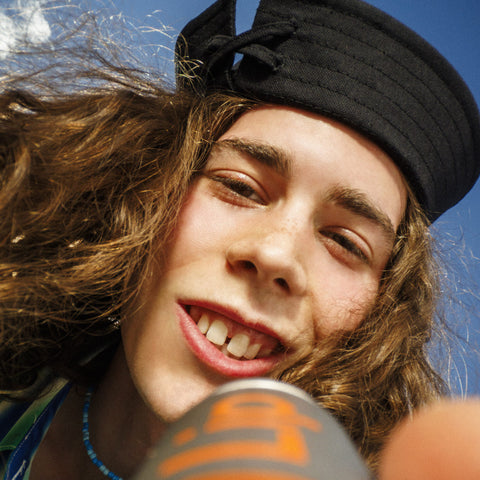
pixel 86 439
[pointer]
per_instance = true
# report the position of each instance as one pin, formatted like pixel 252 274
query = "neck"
pixel 122 430
pixel 122 427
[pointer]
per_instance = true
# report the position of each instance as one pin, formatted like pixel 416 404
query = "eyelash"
pixel 241 189
pixel 238 188
pixel 346 244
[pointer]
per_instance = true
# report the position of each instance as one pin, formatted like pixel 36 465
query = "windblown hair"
pixel 90 187
pixel 91 184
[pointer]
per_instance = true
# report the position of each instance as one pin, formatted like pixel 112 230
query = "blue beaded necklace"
pixel 86 439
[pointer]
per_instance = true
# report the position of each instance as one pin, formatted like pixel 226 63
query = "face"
pixel 282 240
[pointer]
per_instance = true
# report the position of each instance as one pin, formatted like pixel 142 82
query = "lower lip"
pixel 208 354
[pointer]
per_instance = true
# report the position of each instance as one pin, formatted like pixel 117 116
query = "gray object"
pixel 255 429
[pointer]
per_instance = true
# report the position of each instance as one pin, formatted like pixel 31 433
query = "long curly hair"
pixel 91 184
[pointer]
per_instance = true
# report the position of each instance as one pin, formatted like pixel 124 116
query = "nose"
pixel 270 259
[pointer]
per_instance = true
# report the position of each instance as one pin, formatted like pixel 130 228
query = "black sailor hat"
pixel 347 60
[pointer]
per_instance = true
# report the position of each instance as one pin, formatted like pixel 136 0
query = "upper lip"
pixel 236 316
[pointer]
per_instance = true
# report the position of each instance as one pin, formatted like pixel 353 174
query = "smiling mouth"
pixel 233 339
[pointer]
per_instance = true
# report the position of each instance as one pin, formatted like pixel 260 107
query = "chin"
pixel 173 397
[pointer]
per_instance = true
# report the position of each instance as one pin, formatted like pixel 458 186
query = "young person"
pixel 264 219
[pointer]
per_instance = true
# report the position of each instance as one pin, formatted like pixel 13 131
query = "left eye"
pixel 346 244
pixel 238 187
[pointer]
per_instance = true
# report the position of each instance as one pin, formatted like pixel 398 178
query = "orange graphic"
pixel 249 411
pixel 246 475
pixel 185 436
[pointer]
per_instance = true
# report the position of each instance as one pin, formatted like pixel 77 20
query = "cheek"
pixel 189 231
pixel 200 227
pixel 140 323
pixel 343 305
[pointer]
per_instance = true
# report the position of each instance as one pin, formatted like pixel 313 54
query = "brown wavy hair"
pixel 91 184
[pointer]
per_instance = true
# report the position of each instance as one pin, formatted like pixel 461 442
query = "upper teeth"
pixel 239 345
pixel 217 333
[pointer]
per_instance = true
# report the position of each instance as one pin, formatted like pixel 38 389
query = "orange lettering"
pixel 250 411
pixel 185 436
pixel 246 475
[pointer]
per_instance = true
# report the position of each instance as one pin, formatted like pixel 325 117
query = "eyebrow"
pixel 271 156
pixel 348 198
pixel 358 203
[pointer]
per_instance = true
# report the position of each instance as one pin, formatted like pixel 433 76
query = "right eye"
pixel 238 189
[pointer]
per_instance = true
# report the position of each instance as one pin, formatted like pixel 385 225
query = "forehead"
pixel 284 124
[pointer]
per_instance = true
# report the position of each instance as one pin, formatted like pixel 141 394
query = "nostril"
pixel 282 283
pixel 247 265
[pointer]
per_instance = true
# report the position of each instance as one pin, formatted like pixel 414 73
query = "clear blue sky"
pixel 453 27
